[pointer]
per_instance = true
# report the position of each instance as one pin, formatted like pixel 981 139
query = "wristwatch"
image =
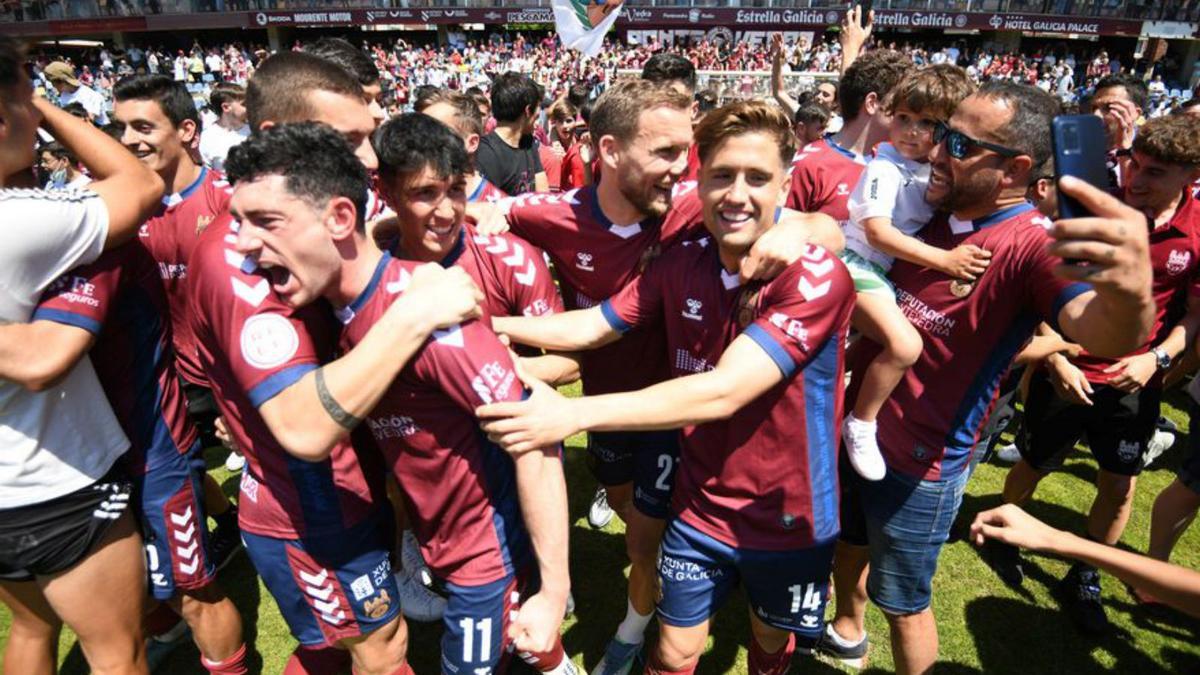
pixel 1161 358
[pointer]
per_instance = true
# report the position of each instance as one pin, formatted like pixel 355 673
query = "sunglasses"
pixel 959 144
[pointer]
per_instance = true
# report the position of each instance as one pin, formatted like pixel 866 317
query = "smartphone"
pixel 866 9
pixel 1079 151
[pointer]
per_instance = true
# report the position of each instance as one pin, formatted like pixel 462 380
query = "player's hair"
pixel 278 91
pixel 12 60
pixel 171 96
pixel 59 151
pixel 1135 87
pixel 812 112
pixel 467 119
pixel 346 56
pixel 579 93
pixel 1174 139
pixel 667 68
pixel 617 110
pixel 875 71
pixel 746 117
pixel 424 96
pixel 411 142
pixel 706 101
pixel 561 111
pixel 1033 110
pixel 317 164
pixel 934 91
pixel 225 92
pixel 512 94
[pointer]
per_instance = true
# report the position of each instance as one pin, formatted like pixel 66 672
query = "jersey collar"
pixel 456 250
pixel 958 226
pixel 173 199
pixel 622 231
pixel 478 190
pixel 845 152
pixel 346 314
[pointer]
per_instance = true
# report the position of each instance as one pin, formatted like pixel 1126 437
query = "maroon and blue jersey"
pixel 119 299
pixel 486 192
pixel 931 425
pixel 766 478
pixel 595 258
pixel 253 346
pixel 170 235
pixel 459 488
pixel 823 175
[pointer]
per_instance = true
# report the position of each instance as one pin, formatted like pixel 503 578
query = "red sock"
pixel 655 667
pixel 544 662
pixel 317 661
pixel 234 665
pixel 771 664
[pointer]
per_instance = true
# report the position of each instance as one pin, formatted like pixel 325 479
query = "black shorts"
pixel 1189 473
pixel 850 505
pixel 1118 426
pixel 47 538
pixel 202 409
pixel 648 459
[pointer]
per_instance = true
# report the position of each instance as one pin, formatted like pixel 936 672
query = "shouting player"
pixel 757 390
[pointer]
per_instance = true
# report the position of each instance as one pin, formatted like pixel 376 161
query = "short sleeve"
pixel 800 191
pixel 1047 292
pixel 802 308
pixel 470 364
pixel 84 296
pixel 536 293
pixel 640 302
pixel 52 232
pixel 535 158
pixel 877 190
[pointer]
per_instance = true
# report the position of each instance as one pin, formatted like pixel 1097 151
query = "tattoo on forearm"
pixel 335 411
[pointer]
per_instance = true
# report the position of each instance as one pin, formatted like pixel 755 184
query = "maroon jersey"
pixel 595 258
pixel 253 346
pixel 120 300
pixel 459 488
pixel 766 478
pixel 486 191
pixel 823 176
pixel 170 236
pixel 930 425
pixel 1174 255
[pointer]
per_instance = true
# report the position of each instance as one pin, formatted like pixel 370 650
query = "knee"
pixel 34 630
pixel 906 347
pixel 677 655
pixel 1115 488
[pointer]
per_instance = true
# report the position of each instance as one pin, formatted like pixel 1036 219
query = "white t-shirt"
pixel 890 187
pixel 65 438
pixel 216 141
pixel 90 99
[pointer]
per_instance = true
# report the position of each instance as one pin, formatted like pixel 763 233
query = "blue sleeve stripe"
pixel 772 347
pixel 69 318
pixel 269 388
pixel 618 324
pixel 1064 296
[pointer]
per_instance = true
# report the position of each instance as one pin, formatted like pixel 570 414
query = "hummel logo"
pixel 693 310
pixel 584 262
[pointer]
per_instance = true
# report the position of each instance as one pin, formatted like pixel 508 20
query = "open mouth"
pixel 281 279
pixel 441 230
pixel 734 219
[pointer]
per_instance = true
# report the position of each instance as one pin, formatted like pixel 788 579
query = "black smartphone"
pixel 866 5
pixel 1079 151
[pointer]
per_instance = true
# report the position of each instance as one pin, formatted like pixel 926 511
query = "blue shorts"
pixel 648 459
pixel 785 589
pixel 476 622
pixel 333 587
pixel 170 500
pixel 907 522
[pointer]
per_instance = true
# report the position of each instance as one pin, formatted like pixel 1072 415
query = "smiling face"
pixel 151 136
pixel 972 182
pixel 289 237
pixel 1153 185
pixel 741 185
pixel 430 210
pixel 649 166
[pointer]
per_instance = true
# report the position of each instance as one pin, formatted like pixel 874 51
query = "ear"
pixel 610 152
pixel 266 124
pixel 1018 171
pixel 187 131
pixel 472 143
pixel 341 218
pixel 871 103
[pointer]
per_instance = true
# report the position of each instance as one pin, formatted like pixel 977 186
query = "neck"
pixel 1162 215
pixel 731 258
pixel 227 122
pixel 853 135
pixel 1002 201
pixel 359 260
pixel 185 173
pixel 473 181
pixel 510 132
pixel 613 204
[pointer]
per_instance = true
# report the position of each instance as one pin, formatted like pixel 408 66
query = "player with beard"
pixel 757 390
pixel 600 238
pixel 930 427
pixel 478 514
pixel 312 505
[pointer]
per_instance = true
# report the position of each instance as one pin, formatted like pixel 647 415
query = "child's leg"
pixel 877 317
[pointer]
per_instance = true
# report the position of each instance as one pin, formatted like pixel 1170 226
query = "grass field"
pixel 984 626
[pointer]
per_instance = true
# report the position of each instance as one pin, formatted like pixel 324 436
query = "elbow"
pixel 41 375
pixel 307 447
pixel 152 192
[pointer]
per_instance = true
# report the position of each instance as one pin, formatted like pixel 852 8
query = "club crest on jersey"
pixel 693 310
pixel 202 223
pixel 1178 261
pixel 378 607
pixel 584 262
pixel 268 340
pixel 961 289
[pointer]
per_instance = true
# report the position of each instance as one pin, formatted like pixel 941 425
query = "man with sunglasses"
pixel 929 430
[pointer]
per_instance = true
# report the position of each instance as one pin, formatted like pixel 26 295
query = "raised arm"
pixel 778 91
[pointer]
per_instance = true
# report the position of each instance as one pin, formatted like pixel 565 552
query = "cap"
pixel 60 71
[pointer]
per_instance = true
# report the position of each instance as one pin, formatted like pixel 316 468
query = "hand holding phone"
pixel 1079 151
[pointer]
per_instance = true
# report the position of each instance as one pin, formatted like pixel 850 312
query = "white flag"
pixel 582 24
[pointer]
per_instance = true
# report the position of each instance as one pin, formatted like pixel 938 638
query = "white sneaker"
pixel 863 449
pixel 418 602
pixel 234 462
pixel 412 561
pixel 1007 453
pixel 1159 443
pixel 600 513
